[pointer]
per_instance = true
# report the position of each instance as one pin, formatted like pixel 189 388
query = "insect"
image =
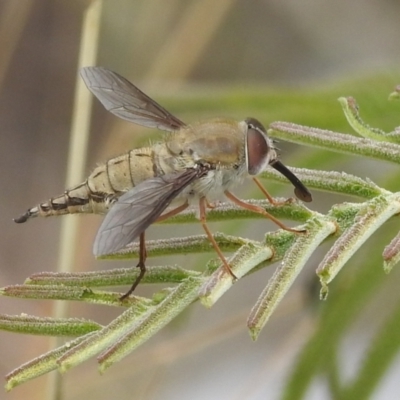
pixel 194 164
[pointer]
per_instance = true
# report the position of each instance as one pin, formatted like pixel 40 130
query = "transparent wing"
pixel 140 207
pixel 126 101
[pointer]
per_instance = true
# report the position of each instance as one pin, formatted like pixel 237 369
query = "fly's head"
pixel 259 148
pixel 260 152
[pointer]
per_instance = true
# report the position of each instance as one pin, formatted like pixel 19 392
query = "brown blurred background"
pixel 171 49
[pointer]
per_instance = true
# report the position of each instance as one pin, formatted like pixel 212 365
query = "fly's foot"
pixel 290 200
pixel 228 269
pixel 213 204
pixel 286 202
pixel 136 282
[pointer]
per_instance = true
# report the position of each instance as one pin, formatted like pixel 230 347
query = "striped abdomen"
pixel 103 186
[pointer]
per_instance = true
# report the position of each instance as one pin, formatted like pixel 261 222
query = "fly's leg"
pixel 173 212
pixel 212 205
pixel 268 196
pixel 141 265
pixel 260 210
pixel 143 253
pixel 202 205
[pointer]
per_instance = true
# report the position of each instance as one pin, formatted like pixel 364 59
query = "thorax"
pixel 219 143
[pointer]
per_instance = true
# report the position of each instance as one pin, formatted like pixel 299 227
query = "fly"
pixel 194 164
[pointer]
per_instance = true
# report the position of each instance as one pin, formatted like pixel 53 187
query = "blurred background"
pixel 272 60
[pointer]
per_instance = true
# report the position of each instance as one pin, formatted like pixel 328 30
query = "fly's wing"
pixel 137 209
pixel 126 101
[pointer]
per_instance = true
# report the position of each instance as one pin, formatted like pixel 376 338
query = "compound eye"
pixel 257 151
pixel 256 124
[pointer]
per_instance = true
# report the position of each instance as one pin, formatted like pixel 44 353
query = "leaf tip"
pixel 64 366
pixel 323 294
pixel 387 267
pixel 103 366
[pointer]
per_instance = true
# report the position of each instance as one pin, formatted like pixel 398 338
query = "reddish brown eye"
pixel 254 123
pixel 257 150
